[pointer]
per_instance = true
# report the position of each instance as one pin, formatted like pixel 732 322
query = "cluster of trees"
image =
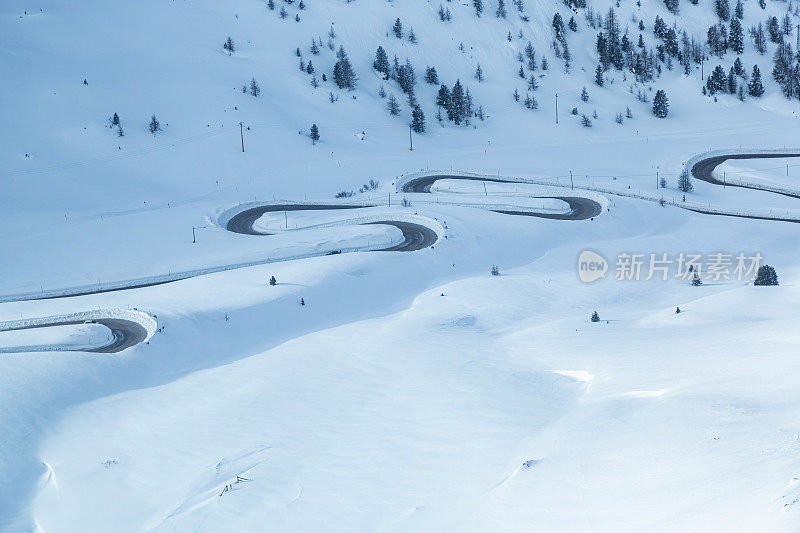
pixel 786 71
pixel 343 74
pixel 397 29
pixel 456 102
pixel 406 78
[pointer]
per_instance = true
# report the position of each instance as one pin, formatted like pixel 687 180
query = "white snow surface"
pixel 413 391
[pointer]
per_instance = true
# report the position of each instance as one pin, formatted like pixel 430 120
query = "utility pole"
pixel 556 108
pixel 390 199
pixel 656 179
pixel 241 133
pixel 571 184
pixel 194 237
pixel 410 140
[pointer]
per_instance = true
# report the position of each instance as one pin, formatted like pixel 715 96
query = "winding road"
pixel 415 236
pixel 703 170
pixel 579 208
pixel 127 331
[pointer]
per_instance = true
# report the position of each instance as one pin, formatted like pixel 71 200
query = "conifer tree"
pixel 398 28
pixel 660 104
pixel 343 74
pixel 393 106
pixel 479 73
pixel 431 77
pixel 418 120
pixel 755 87
pixel 314 133
pixel 154 126
pixel 381 63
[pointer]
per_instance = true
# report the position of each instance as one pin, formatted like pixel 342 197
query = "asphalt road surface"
pixel 703 170
pixel 415 236
pixel 126 333
pixel 579 208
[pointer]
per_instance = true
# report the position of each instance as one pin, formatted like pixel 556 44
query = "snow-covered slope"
pixel 412 391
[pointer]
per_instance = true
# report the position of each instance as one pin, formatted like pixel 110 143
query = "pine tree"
pixel 739 11
pixel 418 120
pixel 501 9
pixel 584 95
pixel 431 76
pixel 283 13
pixel 309 68
pixel 478 5
pixel 412 37
pixel 755 87
pixel 585 122
pixel 532 84
pixel 393 106
pixel 774 30
pixel 271 5
pixel 572 25
pixel 685 182
pixel 457 103
pixel 736 39
pixel 766 275
pixel 115 120
pixel 314 47
pixel 382 92
pixel 672 6
pixel 595 317
pixel 255 90
pixel 479 73
pixel 381 63
pixel 398 28
pixel 516 95
pixel 723 9
pixel 731 82
pixel 443 99
pixel 314 134
pixel 530 53
pixel 696 281
pixel 598 75
pixel 660 104
pixel 343 74
pixel 273 281
pixel 154 126
pixel 229 46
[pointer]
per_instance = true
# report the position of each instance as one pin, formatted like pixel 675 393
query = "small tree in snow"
pixel 229 46
pixel 660 104
pixel 766 275
pixel 314 134
pixel 273 281
pixel 255 90
pixel 685 182
pixel 595 317
pixel 154 126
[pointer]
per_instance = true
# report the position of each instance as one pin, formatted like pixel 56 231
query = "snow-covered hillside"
pixel 407 390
